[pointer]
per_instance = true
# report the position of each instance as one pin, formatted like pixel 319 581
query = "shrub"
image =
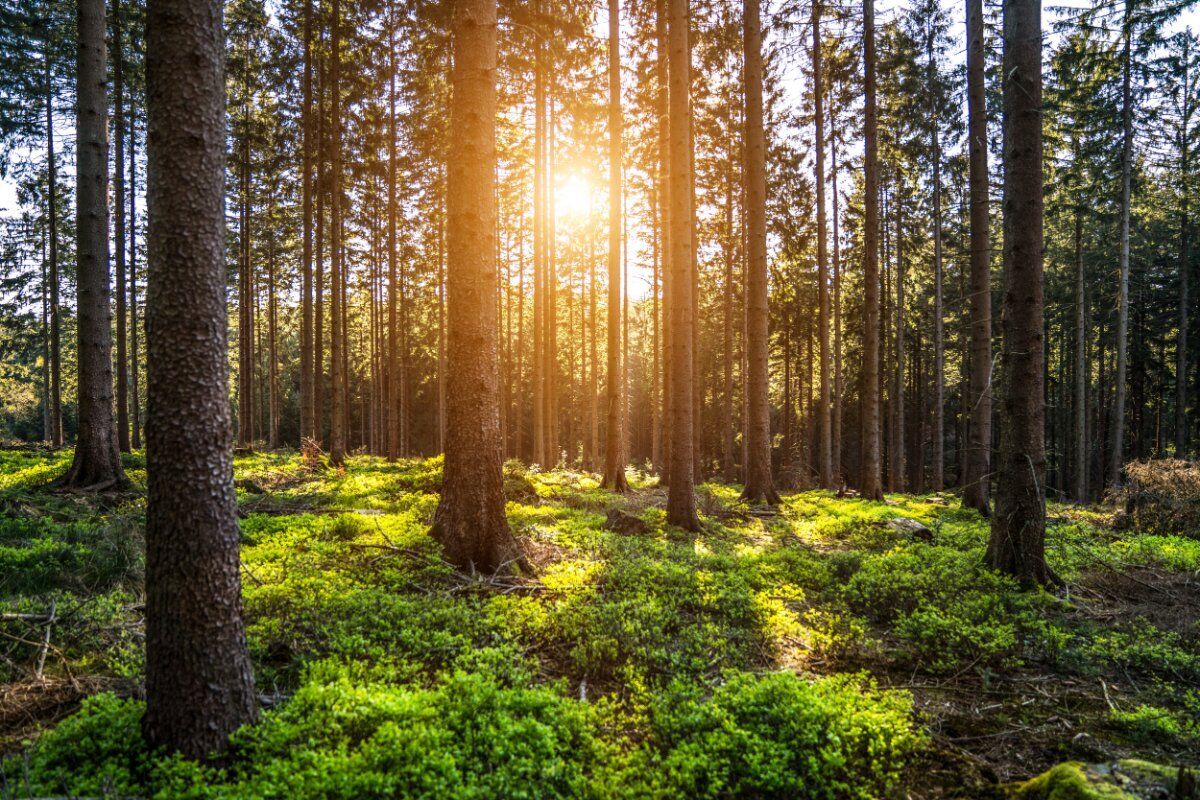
pixel 1163 496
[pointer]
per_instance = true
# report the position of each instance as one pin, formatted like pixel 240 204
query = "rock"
pixel 618 521
pixel 1124 780
pixel 913 529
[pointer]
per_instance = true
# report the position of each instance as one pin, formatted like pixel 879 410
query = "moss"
pixel 1071 780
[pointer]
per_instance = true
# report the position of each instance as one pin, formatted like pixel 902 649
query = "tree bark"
pixel 939 391
pixel 199 681
pixel 469 521
pixel 118 58
pixel 977 475
pixel 308 387
pixel 56 429
pixel 337 331
pixel 97 462
pixel 681 501
pixel 1017 544
pixel 824 419
pixel 1079 472
pixel 871 481
pixel 1118 427
pixel 135 416
pixel 1181 345
pixel 614 465
pixel 760 485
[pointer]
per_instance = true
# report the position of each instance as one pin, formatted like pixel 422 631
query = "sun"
pixel 573 197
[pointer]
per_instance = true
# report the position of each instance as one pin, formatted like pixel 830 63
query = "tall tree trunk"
pixel 871 482
pixel 118 58
pixel 681 501
pixel 1185 267
pixel 56 430
pixel 135 415
pixel 725 424
pixel 541 183
pixel 245 390
pixel 939 390
pixel 395 410
pixel 308 387
pixel 97 463
pixel 824 419
pixel 896 481
pixel 469 521
pixel 662 105
pixel 1118 428
pixel 1079 470
pixel 1017 544
pixel 273 400
pixel 760 486
pixel 977 475
pixel 614 466
pixel 337 330
pixel 836 416
pixel 199 681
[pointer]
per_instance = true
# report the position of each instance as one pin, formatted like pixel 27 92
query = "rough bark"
pixel 97 462
pixel 1117 461
pixel 681 501
pixel 871 480
pixel 469 521
pixel 1017 544
pixel 614 464
pixel 760 485
pixel 977 475
pixel 824 419
pixel 118 70
pixel 199 682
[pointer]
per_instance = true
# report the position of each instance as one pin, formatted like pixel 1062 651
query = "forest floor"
pixel 818 650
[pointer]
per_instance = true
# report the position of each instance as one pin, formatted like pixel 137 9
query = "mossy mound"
pixel 1125 780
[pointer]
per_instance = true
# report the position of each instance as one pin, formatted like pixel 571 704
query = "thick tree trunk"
pixel 1017 544
pixel 118 58
pixel 470 521
pixel 97 463
pixel 760 486
pixel 977 475
pixel 614 464
pixel 824 418
pixel 662 105
pixel 871 481
pixel 681 501
pixel 199 682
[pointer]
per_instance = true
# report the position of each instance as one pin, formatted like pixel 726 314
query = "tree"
pixel 118 64
pixel 199 681
pixel 469 521
pixel 614 465
pixel 871 482
pixel 1017 543
pixel 824 410
pixel 308 384
pixel 760 485
pixel 976 477
pixel 97 462
pixel 681 500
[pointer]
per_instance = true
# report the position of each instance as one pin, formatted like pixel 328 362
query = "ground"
pixel 815 651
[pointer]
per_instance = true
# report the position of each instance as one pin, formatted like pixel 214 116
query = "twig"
pixel 41 662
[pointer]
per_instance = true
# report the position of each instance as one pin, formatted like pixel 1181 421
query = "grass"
pixel 815 652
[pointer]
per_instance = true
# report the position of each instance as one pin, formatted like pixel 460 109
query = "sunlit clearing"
pixel 573 197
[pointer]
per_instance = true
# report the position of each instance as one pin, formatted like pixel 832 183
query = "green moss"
pixel 1069 781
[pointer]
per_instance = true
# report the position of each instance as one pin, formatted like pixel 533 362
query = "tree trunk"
pixel 760 486
pixel 614 466
pixel 896 477
pixel 395 409
pixel 1118 428
pixel 135 416
pixel 1079 471
pixel 681 501
pixel 871 482
pixel 824 419
pixel 977 475
pixel 939 390
pixel 199 681
pixel 245 390
pixel 1017 544
pixel 97 463
pixel 836 417
pixel 308 388
pixel 337 331
pixel 470 521
pixel 118 58
pixel 1181 346
pixel 56 429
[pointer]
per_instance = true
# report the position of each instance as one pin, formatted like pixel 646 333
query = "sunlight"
pixel 573 197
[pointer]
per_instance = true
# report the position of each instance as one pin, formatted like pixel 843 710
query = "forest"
pixel 597 399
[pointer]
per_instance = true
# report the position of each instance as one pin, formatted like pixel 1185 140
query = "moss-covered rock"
pixel 1126 780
